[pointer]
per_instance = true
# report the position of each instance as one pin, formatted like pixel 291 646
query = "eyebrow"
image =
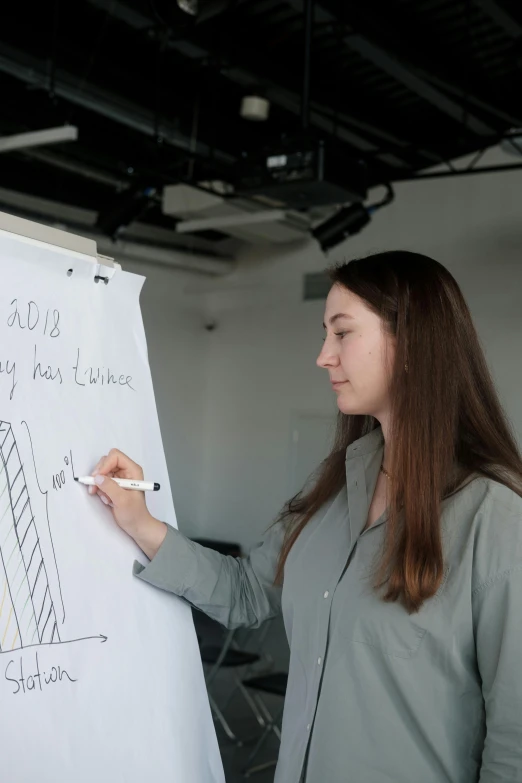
pixel 337 317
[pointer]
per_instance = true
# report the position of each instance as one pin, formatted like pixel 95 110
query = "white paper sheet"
pixel 100 674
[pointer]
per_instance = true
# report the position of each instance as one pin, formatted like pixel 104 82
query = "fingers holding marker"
pixel 96 490
pixel 93 490
pixel 117 463
pixel 105 499
pixel 109 489
pixel 120 484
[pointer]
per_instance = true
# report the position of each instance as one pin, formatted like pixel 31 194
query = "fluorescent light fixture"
pixel 22 141
pixel 224 221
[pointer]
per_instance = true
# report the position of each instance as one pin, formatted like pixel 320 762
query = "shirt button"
pixel 326 594
pixel 319 661
pixel 308 727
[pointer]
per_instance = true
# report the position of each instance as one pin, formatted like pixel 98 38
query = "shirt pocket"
pixel 398 639
pixel 387 627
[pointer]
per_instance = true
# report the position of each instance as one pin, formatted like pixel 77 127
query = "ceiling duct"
pixel 200 210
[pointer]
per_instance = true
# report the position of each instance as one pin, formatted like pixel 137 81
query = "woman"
pixel 399 567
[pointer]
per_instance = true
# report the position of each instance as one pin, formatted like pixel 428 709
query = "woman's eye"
pixel 337 334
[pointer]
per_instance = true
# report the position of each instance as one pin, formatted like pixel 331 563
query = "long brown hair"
pixel 447 423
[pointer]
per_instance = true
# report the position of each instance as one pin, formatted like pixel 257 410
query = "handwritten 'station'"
pixel 24 680
pixel 46 324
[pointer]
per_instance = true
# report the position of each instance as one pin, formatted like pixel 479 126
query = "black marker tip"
pixel 156 487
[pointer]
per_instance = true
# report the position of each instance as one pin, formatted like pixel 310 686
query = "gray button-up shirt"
pixel 376 695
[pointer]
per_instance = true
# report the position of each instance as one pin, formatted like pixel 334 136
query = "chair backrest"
pixel 230 548
pixel 209 631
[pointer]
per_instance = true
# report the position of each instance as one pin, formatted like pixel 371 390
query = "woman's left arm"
pixel 497 612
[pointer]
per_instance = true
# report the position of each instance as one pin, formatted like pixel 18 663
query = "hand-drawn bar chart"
pixel 27 614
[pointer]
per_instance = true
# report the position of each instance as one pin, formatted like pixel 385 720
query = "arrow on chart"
pixel 100 637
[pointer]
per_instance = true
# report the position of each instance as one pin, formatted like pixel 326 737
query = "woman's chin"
pixel 346 407
pixel 349 407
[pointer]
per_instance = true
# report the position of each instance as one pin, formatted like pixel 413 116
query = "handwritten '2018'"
pixel 28 317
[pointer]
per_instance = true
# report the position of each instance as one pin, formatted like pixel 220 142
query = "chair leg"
pixel 263 709
pixel 255 707
pixel 209 676
pixel 266 662
pixel 272 726
pixel 259 768
pixel 223 721
pixel 259 744
pixel 248 698
pixel 252 703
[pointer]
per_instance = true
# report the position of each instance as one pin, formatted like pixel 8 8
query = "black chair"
pixel 273 684
pixel 229 658
pixel 223 547
pixel 219 650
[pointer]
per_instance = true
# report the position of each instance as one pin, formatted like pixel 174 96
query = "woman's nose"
pixel 326 358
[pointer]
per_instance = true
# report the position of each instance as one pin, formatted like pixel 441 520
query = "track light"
pixel 348 221
pixel 124 209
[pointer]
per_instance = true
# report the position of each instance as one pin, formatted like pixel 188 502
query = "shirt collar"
pixel 363 462
pixel 369 443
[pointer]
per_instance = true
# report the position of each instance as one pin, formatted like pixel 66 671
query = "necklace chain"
pixel 385 472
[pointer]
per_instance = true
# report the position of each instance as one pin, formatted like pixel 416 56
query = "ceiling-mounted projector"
pixel 301 173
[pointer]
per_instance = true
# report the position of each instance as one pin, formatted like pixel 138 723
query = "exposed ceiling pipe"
pixel 308 32
pixel 74 167
pixel 34 72
pixel 142 251
pixel 80 220
pixel 122 250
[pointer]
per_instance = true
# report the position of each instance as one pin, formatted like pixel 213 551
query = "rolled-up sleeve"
pixel 237 592
pixel 498 633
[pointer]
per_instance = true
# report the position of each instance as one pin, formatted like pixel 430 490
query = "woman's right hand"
pixel 127 505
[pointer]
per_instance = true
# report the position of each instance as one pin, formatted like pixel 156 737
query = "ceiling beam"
pixel 415 83
pixel 76 168
pixel 501 17
pixel 360 134
pixel 494 111
pixel 35 72
pixel 403 73
pixel 496 169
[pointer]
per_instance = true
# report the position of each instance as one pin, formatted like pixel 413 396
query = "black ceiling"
pixel 403 84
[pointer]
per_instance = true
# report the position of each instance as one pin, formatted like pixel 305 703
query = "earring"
pixel 406 366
